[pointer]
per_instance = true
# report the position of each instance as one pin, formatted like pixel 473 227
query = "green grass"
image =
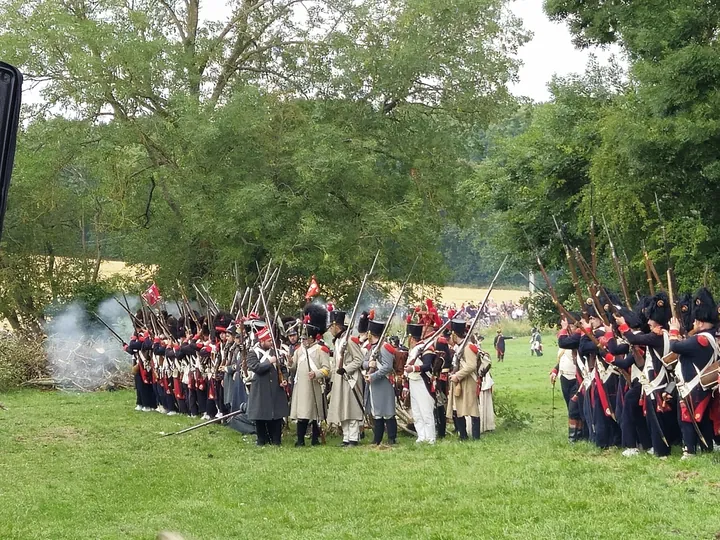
pixel 89 466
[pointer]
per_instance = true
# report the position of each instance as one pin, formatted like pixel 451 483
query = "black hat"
pixel 684 310
pixel 376 327
pixel 459 326
pixel 658 309
pixel 337 317
pixel 363 322
pixel 609 298
pixel 415 330
pixel 315 320
pixel 704 307
pixel 632 319
pixel 590 308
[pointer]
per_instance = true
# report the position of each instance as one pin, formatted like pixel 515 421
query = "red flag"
pixel 313 289
pixel 152 295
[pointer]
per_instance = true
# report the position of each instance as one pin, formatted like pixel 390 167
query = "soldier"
pixel 499 344
pixel 348 385
pixel 267 403
pixel 573 384
pixel 655 377
pixel 441 374
pixel 696 352
pixel 462 397
pixel 380 394
pixel 418 372
pixel 310 366
pixel 628 410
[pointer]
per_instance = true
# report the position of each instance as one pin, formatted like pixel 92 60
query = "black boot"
pixel 440 422
pixel 378 430
pixel 302 426
pixel 315 434
pixel 461 428
pixel 391 430
pixel 475 426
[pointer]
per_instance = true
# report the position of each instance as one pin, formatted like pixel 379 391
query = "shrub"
pixel 20 361
pixel 508 412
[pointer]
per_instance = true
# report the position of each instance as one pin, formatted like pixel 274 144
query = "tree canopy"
pixel 312 132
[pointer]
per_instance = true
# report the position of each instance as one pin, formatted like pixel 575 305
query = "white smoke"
pixel 83 354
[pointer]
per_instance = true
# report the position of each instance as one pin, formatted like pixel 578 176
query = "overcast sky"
pixel 550 52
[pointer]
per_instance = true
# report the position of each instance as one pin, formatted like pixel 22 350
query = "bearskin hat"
pixel 607 299
pixel 658 309
pixel 684 310
pixel 363 322
pixel 315 318
pixel 704 307
pixel 632 319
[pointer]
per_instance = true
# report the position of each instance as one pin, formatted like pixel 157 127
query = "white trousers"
pixel 351 430
pixel 423 406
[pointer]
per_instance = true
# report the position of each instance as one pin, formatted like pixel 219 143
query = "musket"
pixel 593 252
pixel 207 423
pixel 591 288
pixel 573 272
pixel 137 322
pixel 343 342
pixel 383 335
pixel 618 267
pixel 212 301
pixel 106 325
pixel 461 349
pixel 648 273
pixel 670 272
pixel 242 303
pixel 188 306
pixel 269 326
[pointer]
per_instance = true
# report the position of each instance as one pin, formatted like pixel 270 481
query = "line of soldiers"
pixel 646 381
pixel 230 366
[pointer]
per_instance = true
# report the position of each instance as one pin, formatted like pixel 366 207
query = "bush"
pixel 508 412
pixel 20 361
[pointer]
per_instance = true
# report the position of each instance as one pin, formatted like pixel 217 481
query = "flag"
pixel 152 295
pixel 313 289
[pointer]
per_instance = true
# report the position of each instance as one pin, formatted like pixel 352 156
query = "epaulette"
pixel 389 348
pixel 355 340
pixel 474 348
pixel 703 341
pixel 325 349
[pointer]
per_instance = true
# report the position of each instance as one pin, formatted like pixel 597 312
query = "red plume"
pixel 429 304
pixel 371 315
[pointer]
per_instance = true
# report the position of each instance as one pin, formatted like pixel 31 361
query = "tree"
pixel 314 132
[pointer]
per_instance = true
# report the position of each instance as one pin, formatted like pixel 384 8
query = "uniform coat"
pixel 467 403
pixel 267 399
pixel 344 405
pixel 380 394
pixel 308 398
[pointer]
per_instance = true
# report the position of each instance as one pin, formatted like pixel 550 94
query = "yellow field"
pixel 458 295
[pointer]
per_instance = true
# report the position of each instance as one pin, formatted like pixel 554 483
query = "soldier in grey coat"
pixel 380 395
pixel 348 384
pixel 267 403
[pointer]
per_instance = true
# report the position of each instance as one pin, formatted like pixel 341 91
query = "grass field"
pixel 89 466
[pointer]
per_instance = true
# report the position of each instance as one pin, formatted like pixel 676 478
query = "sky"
pixel 550 51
